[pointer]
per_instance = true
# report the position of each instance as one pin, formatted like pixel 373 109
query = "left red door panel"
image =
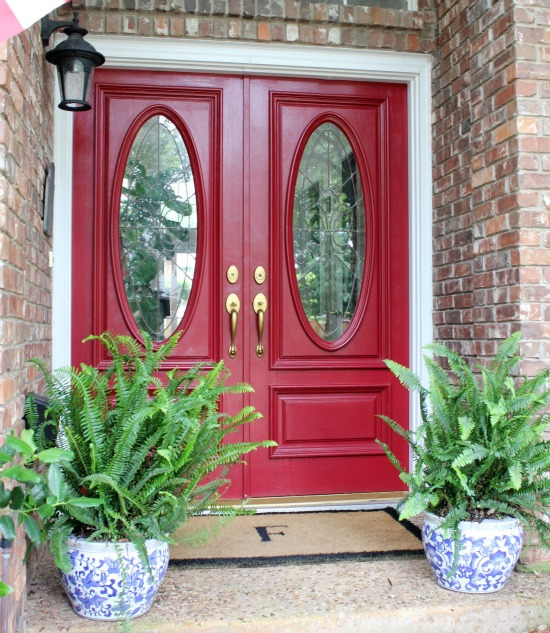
pixel 198 107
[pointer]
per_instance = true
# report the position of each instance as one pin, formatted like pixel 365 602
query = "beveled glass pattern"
pixel 158 228
pixel 329 232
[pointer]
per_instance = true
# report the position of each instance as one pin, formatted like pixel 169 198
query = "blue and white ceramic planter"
pixel 95 585
pixel 490 550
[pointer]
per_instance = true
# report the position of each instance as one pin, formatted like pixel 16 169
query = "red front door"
pixel 295 207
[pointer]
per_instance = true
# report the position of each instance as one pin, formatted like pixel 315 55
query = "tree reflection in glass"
pixel 329 231
pixel 158 228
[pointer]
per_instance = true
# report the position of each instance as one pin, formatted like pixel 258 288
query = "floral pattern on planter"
pixel 95 584
pixel 490 550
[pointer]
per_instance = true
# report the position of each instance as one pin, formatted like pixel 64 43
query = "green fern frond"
pixel 481 445
pixel 57 544
pixel 142 445
pixel 472 453
pixel 393 459
pixel 406 377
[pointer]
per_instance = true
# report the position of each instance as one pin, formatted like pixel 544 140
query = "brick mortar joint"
pixel 416 26
pixel 84 10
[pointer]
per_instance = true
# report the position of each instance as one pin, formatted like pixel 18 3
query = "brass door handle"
pixel 260 306
pixel 233 305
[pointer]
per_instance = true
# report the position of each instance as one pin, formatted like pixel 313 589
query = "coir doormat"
pixel 301 537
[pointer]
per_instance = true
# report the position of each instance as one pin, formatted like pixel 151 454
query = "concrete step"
pixel 374 596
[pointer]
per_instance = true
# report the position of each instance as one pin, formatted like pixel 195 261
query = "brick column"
pixel 492 176
pixel 452 175
pixel 531 79
pixel 531 76
pixel 26 123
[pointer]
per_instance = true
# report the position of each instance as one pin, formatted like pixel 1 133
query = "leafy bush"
pixel 148 452
pixel 32 490
pixel 480 451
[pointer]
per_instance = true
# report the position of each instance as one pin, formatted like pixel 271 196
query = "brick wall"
pixel 491 176
pixel 531 222
pixel 474 170
pixel 321 23
pixel 452 174
pixel 26 124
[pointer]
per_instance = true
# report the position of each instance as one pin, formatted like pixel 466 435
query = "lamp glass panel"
pixel 73 80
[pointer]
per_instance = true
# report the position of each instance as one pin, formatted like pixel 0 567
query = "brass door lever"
pixel 260 306
pixel 233 305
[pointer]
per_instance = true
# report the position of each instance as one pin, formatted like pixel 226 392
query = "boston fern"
pixel 149 452
pixel 480 451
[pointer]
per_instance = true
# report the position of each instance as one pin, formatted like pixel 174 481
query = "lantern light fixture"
pixel 75 60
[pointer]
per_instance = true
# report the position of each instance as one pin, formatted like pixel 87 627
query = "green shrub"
pixel 149 452
pixel 32 493
pixel 480 451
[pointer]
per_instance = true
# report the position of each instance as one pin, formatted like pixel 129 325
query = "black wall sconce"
pixel 75 60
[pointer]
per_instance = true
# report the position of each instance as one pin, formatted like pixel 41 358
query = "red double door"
pixel 300 199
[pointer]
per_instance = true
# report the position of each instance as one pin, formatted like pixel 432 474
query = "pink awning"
pixel 18 15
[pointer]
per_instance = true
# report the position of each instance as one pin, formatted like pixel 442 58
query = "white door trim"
pixel 268 59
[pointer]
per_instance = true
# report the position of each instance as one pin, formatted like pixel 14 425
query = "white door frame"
pixel 268 59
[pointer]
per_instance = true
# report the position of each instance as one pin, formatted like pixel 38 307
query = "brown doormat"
pixel 300 537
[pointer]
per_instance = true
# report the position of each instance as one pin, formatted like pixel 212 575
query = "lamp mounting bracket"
pixel 48 27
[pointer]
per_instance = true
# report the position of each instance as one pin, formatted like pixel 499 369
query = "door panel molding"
pixel 296 436
pixel 111 149
pixel 268 59
pixel 285 353
pixel 115 213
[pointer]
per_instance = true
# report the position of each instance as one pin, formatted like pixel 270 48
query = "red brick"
pixel 526 88
pixel 527 125
pixel 524 15
pixel 113 24
pixel 531 257
pixel 504 131
pixel 414 42
pixel 533 181
pixel 505 95
pixel 264 32
pixel 530 34
pixel 306 33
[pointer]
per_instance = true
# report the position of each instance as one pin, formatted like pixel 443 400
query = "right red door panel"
pixel 330 164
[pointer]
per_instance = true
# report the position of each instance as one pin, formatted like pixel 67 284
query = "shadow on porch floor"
pixel 360 597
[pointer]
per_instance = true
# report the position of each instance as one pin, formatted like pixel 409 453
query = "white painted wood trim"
pixel 252 58
pixel 256 58
pixel 62 237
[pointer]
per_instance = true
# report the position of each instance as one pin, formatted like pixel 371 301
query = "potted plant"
pixel 148 453
pixel 480 465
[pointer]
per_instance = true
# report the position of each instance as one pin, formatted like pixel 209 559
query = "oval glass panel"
pixel 329 232
pixel 158 228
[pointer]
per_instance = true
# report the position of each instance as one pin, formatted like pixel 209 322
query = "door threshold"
pixel 312 503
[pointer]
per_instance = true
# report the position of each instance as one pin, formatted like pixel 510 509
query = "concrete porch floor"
pixel 390 596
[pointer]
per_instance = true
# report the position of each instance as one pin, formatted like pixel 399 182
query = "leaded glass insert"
pixel 158 228
pixel 329 231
